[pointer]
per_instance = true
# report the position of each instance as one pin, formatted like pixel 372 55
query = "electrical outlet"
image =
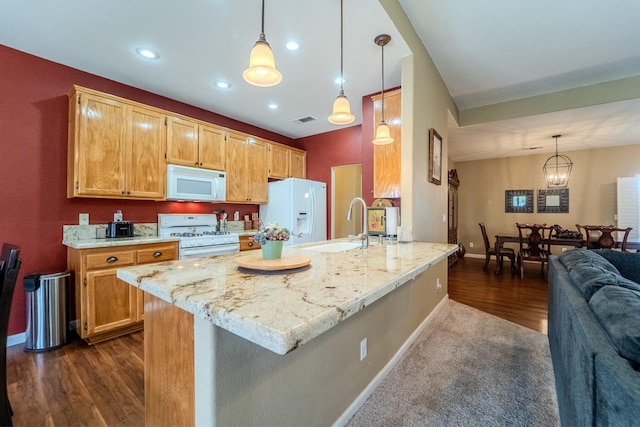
pixel 439 285
pixel 83 219
pixel 363 349
pixel 470 244
pixel 444 217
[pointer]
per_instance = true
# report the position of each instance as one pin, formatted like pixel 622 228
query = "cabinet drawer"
pixel 247 244
pixel 110 259
pixel 157 254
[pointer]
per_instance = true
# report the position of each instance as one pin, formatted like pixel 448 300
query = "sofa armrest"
pixel 617 391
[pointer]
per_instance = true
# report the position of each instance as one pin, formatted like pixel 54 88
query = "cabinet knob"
pixel 200 164
pixel 123 192
pixel 250 244
pixel 156 254
pixel 112 259
pixel 128 193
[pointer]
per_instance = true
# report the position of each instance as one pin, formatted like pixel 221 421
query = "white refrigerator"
pixel 299 205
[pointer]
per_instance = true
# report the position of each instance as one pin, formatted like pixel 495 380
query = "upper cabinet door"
pixel 257 173
pixel 386 158
pixel 298 164
pixel 212 147
pixel 236 159
pixel 98 147
pixel 182 142
pixel 278 161
pixel 146 141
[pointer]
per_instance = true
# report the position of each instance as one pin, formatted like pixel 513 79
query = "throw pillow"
pixel 627 263
pixel 618 311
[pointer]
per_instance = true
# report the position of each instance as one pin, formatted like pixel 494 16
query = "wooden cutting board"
pixel 255 261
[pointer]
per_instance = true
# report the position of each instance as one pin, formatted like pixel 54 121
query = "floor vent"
pixel 305 119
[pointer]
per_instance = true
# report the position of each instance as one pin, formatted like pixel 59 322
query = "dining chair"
pixel 534 245
pixel 10 265
pixel 602 237
pixel 491 251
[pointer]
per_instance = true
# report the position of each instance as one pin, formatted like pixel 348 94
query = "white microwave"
pixel 194 184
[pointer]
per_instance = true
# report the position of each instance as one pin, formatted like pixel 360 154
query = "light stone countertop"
pixel 282 311
pixel 118 241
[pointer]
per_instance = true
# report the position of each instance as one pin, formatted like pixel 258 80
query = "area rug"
pixel 467 368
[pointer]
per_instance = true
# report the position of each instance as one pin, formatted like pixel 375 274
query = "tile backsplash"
pixel 98 231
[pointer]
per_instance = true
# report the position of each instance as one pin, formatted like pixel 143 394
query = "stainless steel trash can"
pixel 46 311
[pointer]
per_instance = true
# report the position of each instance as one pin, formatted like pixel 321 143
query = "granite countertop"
pixel 120 241
pixel 282 311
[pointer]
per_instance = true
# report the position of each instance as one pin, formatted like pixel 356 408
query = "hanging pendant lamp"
pixel 341 114
pixel 262 67
pixel 383 134
pixel 557 169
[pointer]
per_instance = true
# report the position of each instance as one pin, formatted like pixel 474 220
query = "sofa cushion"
pixel 627 263
pixel 574 257
pixel 618 311
pixel 589 279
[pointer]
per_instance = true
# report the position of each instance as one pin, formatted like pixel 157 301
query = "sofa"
pixel 594 336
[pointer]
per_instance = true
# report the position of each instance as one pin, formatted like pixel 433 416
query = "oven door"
pixel 203 251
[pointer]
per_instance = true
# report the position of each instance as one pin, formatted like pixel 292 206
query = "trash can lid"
pixel 46 276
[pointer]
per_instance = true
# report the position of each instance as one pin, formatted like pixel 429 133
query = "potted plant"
pixel 271 237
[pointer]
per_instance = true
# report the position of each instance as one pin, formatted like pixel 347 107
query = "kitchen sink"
pixel 335 247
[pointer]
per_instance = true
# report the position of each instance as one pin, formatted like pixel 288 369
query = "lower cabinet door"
pixel 111 303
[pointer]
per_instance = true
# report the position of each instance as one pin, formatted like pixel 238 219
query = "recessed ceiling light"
pixel 293 45
pixel 147 53
pixel 273 106
pixel 223 85
pixel 339 80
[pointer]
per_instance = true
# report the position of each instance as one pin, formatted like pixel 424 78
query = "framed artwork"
pixel 376 221
pixel 435 157
pixel 518 201
pixel 554 200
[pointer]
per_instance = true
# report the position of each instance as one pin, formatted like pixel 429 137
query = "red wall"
pixel 33 143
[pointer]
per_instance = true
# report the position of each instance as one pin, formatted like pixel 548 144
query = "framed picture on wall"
pixel 435 157
pixel 554 200
pixel 518 201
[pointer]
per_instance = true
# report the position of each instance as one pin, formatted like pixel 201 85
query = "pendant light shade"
pixel 262 67
pixel 557 169
pixel 383 135
pixel 341 114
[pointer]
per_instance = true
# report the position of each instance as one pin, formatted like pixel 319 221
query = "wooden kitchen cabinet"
pixel 116 148
pixel 106 306
pixel 247 244
pixel 298 164
pixel 247 169
pixel 286 162
pixel 191 143
pixel 386 158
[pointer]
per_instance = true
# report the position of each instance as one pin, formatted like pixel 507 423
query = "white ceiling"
pixel 487 52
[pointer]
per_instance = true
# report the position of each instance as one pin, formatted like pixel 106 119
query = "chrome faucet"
pixel 364 236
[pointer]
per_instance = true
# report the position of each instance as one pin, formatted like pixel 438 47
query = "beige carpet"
pixel 467 368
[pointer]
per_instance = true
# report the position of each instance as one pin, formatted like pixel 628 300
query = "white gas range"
pixel 198 235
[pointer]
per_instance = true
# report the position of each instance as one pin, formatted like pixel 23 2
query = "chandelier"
pixel 557 169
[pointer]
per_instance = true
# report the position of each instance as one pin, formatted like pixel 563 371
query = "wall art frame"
pixel 518 201
pixel 554 200
pixel 435 157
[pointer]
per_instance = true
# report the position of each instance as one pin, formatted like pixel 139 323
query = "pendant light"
pixel 383 135
pixel 341 114
pixel 557 169
pixel 262 68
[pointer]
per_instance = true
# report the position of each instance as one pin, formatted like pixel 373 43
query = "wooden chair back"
pixel 485 238
pixel 604 237
pixel 534 241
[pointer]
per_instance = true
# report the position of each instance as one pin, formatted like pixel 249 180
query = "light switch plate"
pixel 83 219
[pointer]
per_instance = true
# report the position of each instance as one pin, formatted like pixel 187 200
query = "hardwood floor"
pixel 522 301
pixel 78 384
pixel 103 384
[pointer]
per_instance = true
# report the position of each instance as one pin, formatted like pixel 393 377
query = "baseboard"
pixel 468 255
pixel 370 388
pixel 16 339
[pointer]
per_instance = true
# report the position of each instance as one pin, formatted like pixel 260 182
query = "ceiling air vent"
pixel 305 119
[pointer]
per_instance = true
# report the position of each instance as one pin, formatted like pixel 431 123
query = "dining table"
pixel 501 239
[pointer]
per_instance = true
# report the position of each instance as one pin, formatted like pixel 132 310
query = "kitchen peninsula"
pixel 226 346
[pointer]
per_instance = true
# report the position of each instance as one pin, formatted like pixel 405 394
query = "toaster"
pixel 120 229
